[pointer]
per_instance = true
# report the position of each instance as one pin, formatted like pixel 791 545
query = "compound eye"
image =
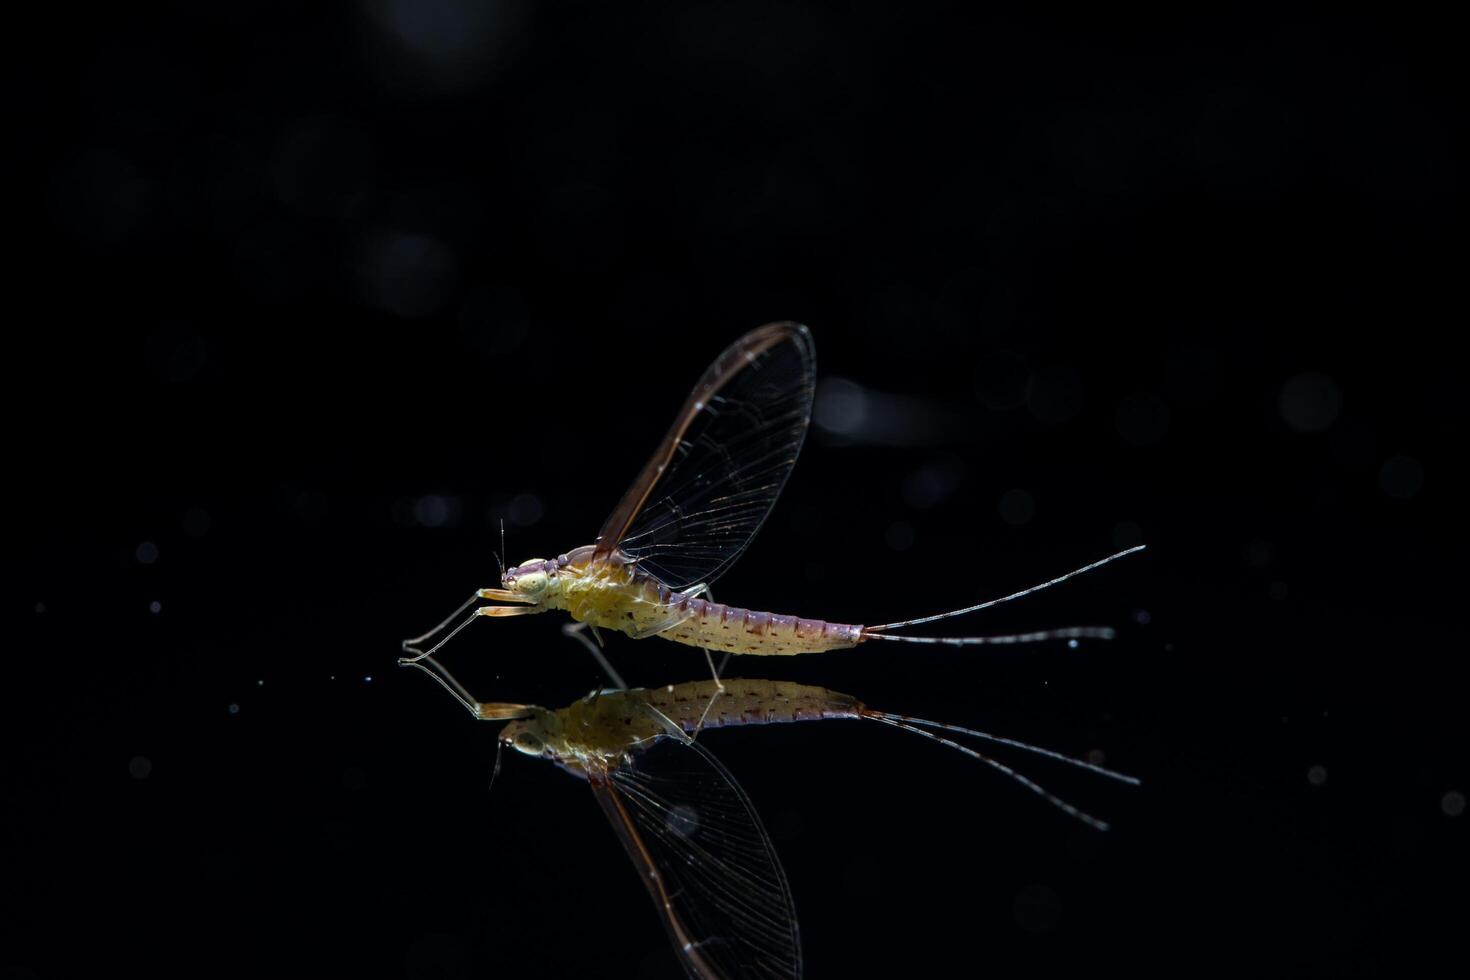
pixel 528 743
pixel 532 583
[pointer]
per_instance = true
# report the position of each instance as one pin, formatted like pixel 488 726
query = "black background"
pixel 302 303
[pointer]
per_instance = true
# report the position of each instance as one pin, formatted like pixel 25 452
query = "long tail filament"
pixel 913 725
pixel 1014 595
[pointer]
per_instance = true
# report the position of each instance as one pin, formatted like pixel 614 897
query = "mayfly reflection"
pixel 692 511
pixel 690 830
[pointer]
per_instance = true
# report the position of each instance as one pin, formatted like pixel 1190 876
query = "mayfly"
pixel 692 511
pixel 688 827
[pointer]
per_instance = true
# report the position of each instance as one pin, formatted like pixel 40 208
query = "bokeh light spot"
pixel 1310 402
pixel 102 199
pixel 1142 419
pixel 841 407
pixel 1055 394
pixel 1192 374
pixel 524 509
pixel 407 275
pixel 931 485
pixel 1001 380
pixel 1258 552
pixel 146 553
pixel 1401 477
pixel 197 522
pixel 435 510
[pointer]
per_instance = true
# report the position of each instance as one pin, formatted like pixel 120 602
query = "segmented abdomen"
pixel 748 702
pixel 748 631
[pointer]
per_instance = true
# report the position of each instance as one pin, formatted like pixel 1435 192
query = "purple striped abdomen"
pixel 749 631
pixel 749 702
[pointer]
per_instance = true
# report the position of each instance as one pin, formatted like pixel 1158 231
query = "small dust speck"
pixel 234 709
pixel 1452 803
pixel 1142 617
pixel 1317 775
pixel 368 679
pixel 139 766
pixel 40 608
pixel 260 683
pixel 1276 590
pixel 155 607
pixel 1072 644
pixel 146 553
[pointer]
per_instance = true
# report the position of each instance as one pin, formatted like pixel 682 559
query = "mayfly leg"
pixel 445 680
pixel 577 631
pixel 715 672
pixel 413 645
pixel 482 710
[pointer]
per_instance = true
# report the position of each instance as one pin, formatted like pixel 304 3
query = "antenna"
pixel 500 558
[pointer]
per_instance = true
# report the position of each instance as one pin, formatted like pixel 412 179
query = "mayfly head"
pixel 530 580
pixel 534 734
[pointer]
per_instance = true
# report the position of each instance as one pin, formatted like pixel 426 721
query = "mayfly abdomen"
pixel 748 702
pixel 748 631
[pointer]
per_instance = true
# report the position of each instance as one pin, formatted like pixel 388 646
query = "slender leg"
pixel 412 646
pixel 445 680
pixel 506 610
pixel 408 647
pixel 576 632
pixel 502 595
pixel 482 710
pixel 714 672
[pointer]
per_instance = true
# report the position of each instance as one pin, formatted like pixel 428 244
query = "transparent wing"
pixel 706 860
pixel 710 485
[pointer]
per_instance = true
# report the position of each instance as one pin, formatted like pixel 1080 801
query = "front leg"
pixel 412 646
